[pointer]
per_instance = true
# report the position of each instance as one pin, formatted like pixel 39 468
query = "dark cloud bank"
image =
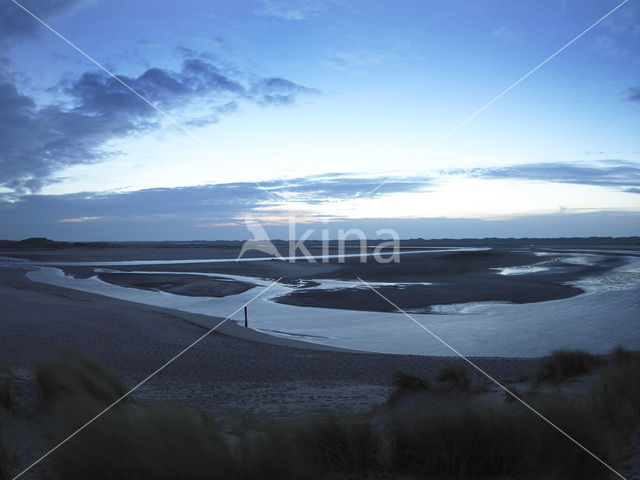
pixel 38 140
pixel 216 211
pixel 188 206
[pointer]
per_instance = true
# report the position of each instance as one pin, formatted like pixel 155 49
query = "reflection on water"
pixel 327 284
pixel 458 308
pixel 255 259
pixel 617 279
pixel 523 270
pixel 553 264
pixel 606 316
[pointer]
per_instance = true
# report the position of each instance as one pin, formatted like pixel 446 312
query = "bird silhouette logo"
pixel 260 241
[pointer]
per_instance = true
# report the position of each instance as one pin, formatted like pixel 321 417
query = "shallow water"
pixel 385 254
pixel 607 315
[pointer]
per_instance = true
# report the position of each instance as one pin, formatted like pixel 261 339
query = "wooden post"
pixel 245 316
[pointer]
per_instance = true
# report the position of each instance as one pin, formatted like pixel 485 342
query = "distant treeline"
pixel 44 243
pixel 624 242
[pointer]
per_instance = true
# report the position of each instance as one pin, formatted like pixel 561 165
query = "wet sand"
pixel 456 277
pixel 480 288
pixel 189 285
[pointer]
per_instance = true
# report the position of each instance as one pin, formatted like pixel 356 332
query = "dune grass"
pixel 5 378
pixel 70 374
pixel 405 383
pixel 271 456
pixel 337 445
pixel 508 444
pixel 617 396
pixel 169 441
pixel 509 397
pixel 318 448
pixel 5 401
pixel 620 356
pixel 130 440
pixel 564 364
pixel 456 375
pixel 4 465
pixel 480 444
pixel 408 381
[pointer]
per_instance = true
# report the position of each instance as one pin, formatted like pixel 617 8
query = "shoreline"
pixel 205 322
pixel 429 281
pixel 229 327
pixel 510 330
pixel 232 368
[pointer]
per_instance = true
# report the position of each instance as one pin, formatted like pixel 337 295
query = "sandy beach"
pixel 239 374
pixel 232 369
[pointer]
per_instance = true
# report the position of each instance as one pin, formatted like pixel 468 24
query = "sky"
pixel 330 114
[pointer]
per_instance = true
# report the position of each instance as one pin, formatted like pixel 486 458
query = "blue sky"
pixel 300 108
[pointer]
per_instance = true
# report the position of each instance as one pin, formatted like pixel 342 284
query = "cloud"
pixel 337 186
pixel 16 24
pixel 625 20
pixel 278 91
pixel 606 44
pixel 292 9
pixel 36 141
pixel 355 62
pixel 633 94
pixel 142 207
pixel 205 211
pixel 612 173
pixel 96 93
pixel 216 212
pixel 211 205
pixel 78 220
pixel 619 32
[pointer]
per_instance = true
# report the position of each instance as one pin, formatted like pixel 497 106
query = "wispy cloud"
pixel 16 26
pixel 613 41
pixel 204 205
pixel 617 174
pixel 218 224
pixel 204 208
pixel 607 45
pixel 355 62
pixel 223 204
pixel 38 140
pixel 292 9
pixel 78 219
pixel 338 186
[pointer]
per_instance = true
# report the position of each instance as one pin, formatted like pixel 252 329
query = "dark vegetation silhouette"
pixel 167 441
pixel 456 375
pixel 564 364
pixel 408 381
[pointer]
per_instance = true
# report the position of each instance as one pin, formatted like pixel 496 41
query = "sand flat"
pixel 241 369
